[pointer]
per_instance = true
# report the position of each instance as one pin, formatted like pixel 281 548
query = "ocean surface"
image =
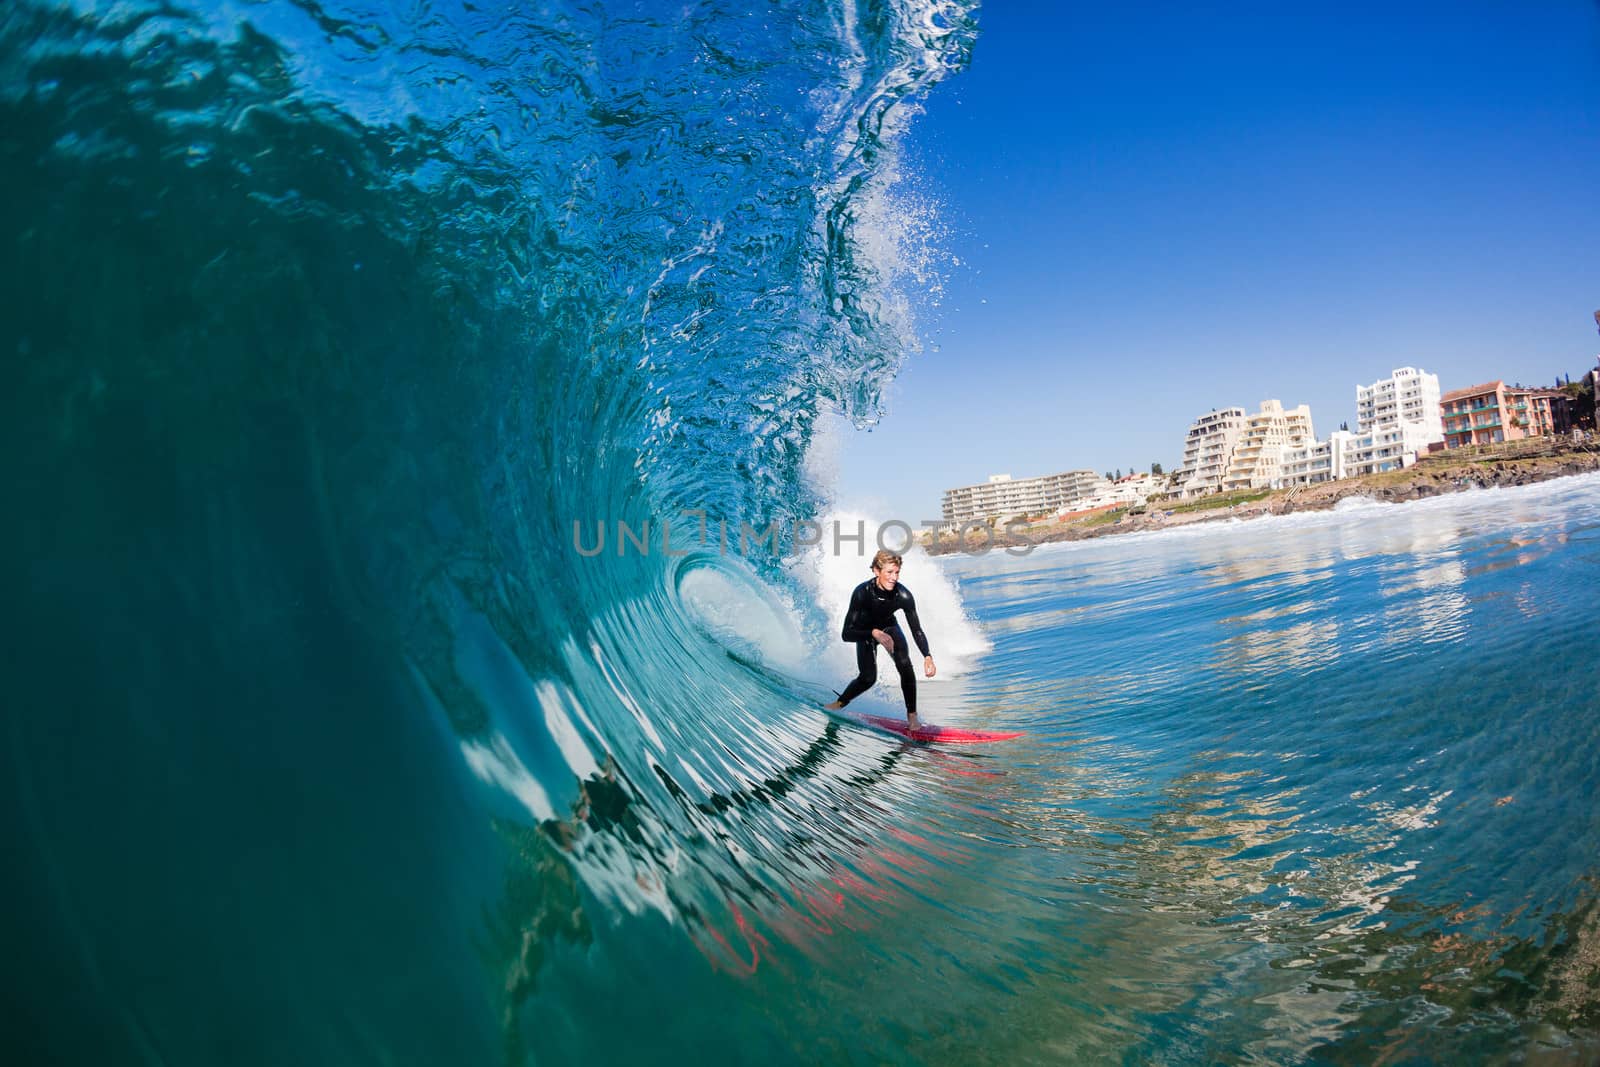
pixel 353 715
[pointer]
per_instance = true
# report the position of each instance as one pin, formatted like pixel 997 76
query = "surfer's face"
pixel 888 575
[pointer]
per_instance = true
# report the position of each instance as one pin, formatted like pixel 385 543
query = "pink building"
pixel 1544 411
pixel 1494 411
pixel 1477 415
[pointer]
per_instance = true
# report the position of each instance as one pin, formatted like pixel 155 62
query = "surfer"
pixel 870 622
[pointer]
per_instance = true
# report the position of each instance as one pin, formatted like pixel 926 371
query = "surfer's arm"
pixel 908 605
pixel 857 618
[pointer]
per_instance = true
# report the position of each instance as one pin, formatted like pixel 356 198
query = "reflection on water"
pixel 1301 767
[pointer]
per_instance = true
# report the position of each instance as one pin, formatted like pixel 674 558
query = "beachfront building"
pixel 1478 415
pixel 1130 490
pixel 1257 458
pixel 1494 411
pixel 1396 419
pixel 1407 395
pixel 1319 461
pixel 1003 495
pixel 1543 412
pixel 1387 448
pixel 1208 450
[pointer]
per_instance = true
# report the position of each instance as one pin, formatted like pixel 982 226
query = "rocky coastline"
pixel 1521 463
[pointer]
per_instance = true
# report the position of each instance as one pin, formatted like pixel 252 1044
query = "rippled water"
pixel 327 742
pixel 1313 788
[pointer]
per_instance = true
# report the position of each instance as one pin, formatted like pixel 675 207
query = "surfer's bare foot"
pixel 835 706
pixel 912 724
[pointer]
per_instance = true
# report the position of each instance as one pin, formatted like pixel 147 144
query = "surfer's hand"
pixel 927 666
pixel 885 640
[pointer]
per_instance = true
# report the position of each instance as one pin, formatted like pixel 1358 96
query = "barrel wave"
pixel 413 654
pixel 336 329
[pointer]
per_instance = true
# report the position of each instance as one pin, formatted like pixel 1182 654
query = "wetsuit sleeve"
pixel 909 605
pixel 858 617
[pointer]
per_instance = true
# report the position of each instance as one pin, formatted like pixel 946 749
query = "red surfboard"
pixel 944 735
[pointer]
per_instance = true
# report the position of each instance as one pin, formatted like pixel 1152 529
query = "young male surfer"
pixel 870 622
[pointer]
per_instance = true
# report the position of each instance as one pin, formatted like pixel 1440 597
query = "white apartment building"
pixel 1388 447
pixel 1208 450
pixel 1258 455
pixel 1407 395
pixel 1319 461
pixel 1003 495
pixel 1130 491
pixel 1396 418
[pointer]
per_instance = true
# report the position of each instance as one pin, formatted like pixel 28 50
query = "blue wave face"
pixel 332 322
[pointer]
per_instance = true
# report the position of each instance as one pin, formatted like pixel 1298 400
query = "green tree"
pixel 1155 469
pixel 1582 394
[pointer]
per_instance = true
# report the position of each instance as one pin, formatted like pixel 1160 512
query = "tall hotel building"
pixel 1396 418
pixel 1208 451
pixel 1268 435
pixel 1004 495
pixel 1408 395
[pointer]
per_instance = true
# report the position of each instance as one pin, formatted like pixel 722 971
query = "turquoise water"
pixel 1310 789
pixel 325 741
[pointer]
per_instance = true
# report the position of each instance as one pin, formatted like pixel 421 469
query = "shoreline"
pixel 1484 467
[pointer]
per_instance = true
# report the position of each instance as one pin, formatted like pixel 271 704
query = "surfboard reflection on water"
pixel 827 889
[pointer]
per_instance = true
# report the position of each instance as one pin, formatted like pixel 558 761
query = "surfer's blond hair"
pixel 884 558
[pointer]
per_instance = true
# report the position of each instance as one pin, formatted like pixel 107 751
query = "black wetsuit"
pixel 872 608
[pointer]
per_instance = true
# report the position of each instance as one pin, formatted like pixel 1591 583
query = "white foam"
pixel 831 575
pixel 737 608
pixel 556 703
pixel 1357 503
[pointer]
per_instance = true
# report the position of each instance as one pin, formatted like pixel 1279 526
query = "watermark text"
pixel 693 530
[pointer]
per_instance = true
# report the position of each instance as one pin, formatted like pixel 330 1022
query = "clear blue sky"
pixel 1159 211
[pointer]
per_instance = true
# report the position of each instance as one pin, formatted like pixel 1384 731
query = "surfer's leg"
pixel 867 665
pixel 908 677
